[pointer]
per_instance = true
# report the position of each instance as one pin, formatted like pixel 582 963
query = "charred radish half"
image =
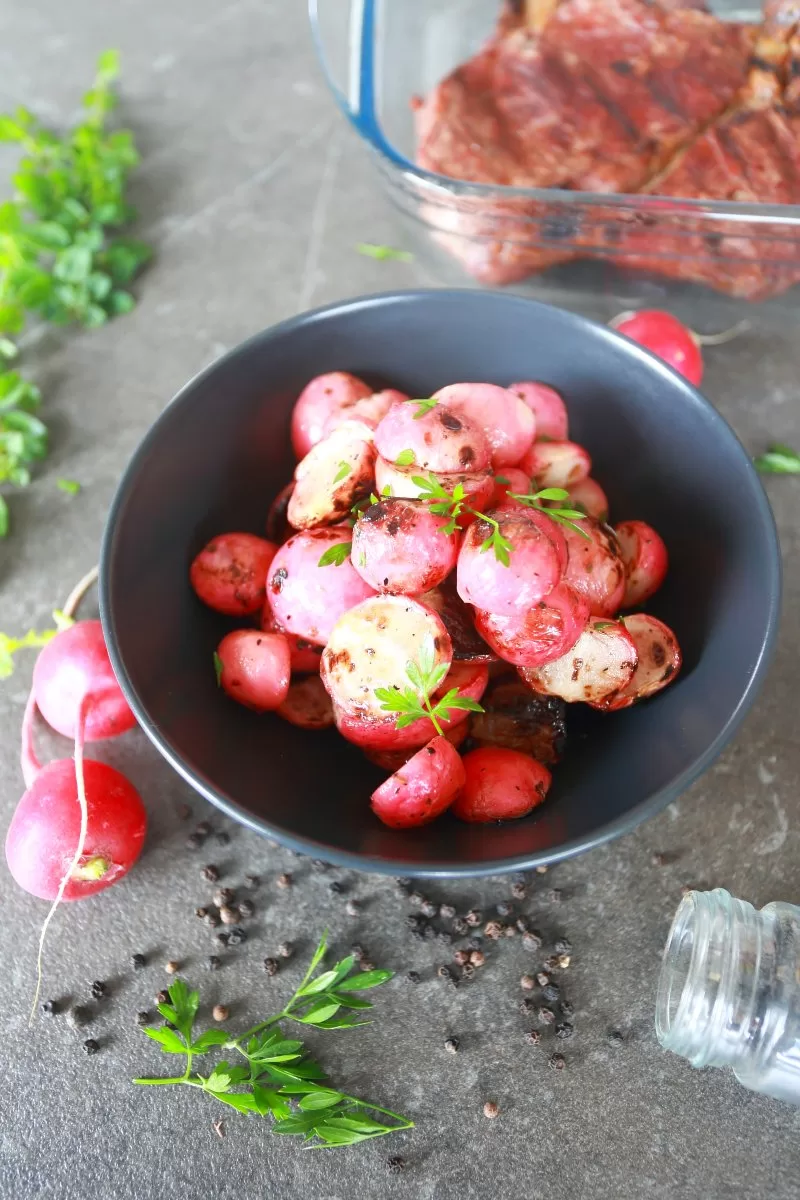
pixel 645 559
pixel 421 789
pixel 597 668
pixel 659 660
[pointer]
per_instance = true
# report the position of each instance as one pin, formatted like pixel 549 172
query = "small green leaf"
pixel 212 1037
pixel 553 493
pixel 120 302
pixel 779 460
pixel 5 524
pixel 167 1039
pixel 320 984
pixel 317 1100
pixel 406 458
pixel 335 555
pixel 344 470
pixel 320 1011
pixel 424 405
pixel 218 668
pixel 382 253
pixel 364 980
pixel 70 486
pixel 502 479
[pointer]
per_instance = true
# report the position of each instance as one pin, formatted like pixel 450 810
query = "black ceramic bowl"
pixel 219 453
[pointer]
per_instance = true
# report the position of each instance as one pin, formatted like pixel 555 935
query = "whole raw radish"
pixel 230 573
pixel 400 547
pixel 336 473
pixel 525 574
pixel 278 529
pixel 45 830
pixel 659 661
pixel 595 568
pixel 254 668
pixel 540 634
pixel 510 479
pixel 507 421
pixel 588 496
pixel 645 559
pixel 370 647
pixel 596 669
pixel 435 440
pixel 556 464
pixel 500 785
pixel 392 760
pixel 380 732
pixel 550 411
pixel 308 599
pixel 422 789
pixel 307 704
pixel 72 668
pixel 321 399
pixel 516 718
pixel 305 655
pixel 371 410
pixel 394 480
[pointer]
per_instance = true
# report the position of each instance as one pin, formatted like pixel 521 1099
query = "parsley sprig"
pixel 543 501
pixel 423 405
pixel 278 1077
pixel 414 703
pixel 32 640
pixel 779 460
pixel 335 555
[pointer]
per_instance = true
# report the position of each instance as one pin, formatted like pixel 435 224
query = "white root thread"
pixel 28 759
pixel 719 339
pixel 80 731
pixel 78 592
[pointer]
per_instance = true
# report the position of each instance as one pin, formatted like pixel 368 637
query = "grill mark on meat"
pixel 612 108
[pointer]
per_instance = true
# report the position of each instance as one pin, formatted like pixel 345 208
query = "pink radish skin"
pixel 306 599
pixel 278 529
pixel 230 573
pixel 550 411
pixel 596 669
pixel 380 733
pixel 399 547
pixel 507 421
pixel 514 481
pixel 440 440
pixel 307 704
pixel 44 831
pixel 659 661
pixel 393 760
pixel 256 668
pixel 73 666
pixel 645 559
pixel 500 785
pixel 539 635
pixel 556 464
pixel 422 789
pixel 332 477
pixel 532 573
pixel 305 656
pixel 326 396
pixel 590 498
pixel 370 647
pixel 595 568
pixel 478 486
pixel 371 410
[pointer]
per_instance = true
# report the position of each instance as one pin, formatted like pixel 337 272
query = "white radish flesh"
pixel 508 422
pixel 332 477
pixel 438 440
pixel 645 559
pixel 422 789
pixel 550 411
pixel 589 497
pixel 539 635
pixel 556 464
pixel 307 599
pixel 399 547
pixel 659 661
pixel 598 667
pixel 307 704
pixel 595 568
pixel 532 571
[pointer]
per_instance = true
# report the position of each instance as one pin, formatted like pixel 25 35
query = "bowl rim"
pixel 626 823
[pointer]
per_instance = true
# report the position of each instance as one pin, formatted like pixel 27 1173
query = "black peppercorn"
pixel 223 896
pixel 533 1037
pixel 444 972
pixel 429 909
pixel 284 880
pixel 358 951
pixel 614 1038
pixel 503 909
pixel 460 927
pixel 194 841
pixel 474 943
pixel 251 882
pixel 551 991
pixel 467 971
pixel 526 1006
pixel 460 957
pixel 223 838
pixel 237 937
pixel 451 1045
pixel 657 859
pixel 447 911
pixel 335 887
pixel 365 965
pixel 413 921
pixel 222 938
pixel 162 997
pixel 557 1062
pixel 212 920
pixel 143 1017
pixel 138 961
pixel 271 966
pixel 567 1009
pixel 413 977
pixel 416 899
pixel 203 829
pixel 246 908
pixel 286 949
pixel 50 1007
pixel 402 882
pixel 531 940
pixel 396 1164
pixel 474 917
pixel 493 930
pixel 352 907
pixel 213 962
pixel 210 872
pixel 519 891
pixel 546 1015
pixel 91 1046
pixel 551 963
pixel 99 989
pixel 564 1030
pixel 563 946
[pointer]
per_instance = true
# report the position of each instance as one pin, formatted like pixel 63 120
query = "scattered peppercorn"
pixel 526 1006
pixel 223 838
pixel 491 1110
pixel 533 1037
pixel 546 1015
pixel 413 977
pixel 563 961
pixel 509 931
pixel 519 891
pixel 531 941
pixel 444 972
pixel 522 924
pixel 527 982
pixel 564 1030
pixel 228 914
pixel 396 1164
pixel 567 1009
pixel 143 1017
pixel 246 908
pixel 203 829
pixel 493 930
pixel 91 1046
pixel 447 911
pixel 201 913
pixel 563 946
pixel 237 937
pixel 477 958
pixel 460 957
pixel 474 943
pixel 551 991
pixel 353 907
pixel 542 978
pixel 285 880
pixel 162 997
pixel 194 841
pixel 467 971
pixel 138 961
pixel 335 887
pixel 271 966
pixel 416 899
pixel 557 1062
pixel 223 896
pixel 50 1007
pixel 452 1045
pixel 429 908
pixel 99 989
pixel 251 882
pixel 460 926
pixel 555 895
pixel 474 918
pixel 210 872
pixel 220 1012
pixel 551 963
pixel 286 949
pixel 80 1015
pixel 503 909
pixel 172 967
pixel 614 1038
pixel 212 920
pixel 222 938
pixel 213 962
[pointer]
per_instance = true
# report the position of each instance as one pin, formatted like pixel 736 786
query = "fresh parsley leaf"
pixel 414 703
pixel 218 668
pixel 386 490
pixel 779 460
pixel 502 479
pixel 335 555
pixel 562 516
pixel 70 486
pixel 167 1038
pixel 382 253
pixel 32 640
pixel 424 405
pixel 344 470
pixel 406 458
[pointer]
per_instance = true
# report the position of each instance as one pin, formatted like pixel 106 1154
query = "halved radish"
pixel 595 568
pixel 322 398
pixel 507 421
pixel 500 785
pixel 371 646
pixel 393 480
pixel 399 547
pixel 305 655
pixel 307 704
pixel 332 477
pixel 468 645
pixel 369 409
pixel 598 667
pixel 254 668
pixel 539 635
pixel 645 559
pixel 658 663
pixel 588 496
pixel 307 599
pixel 531 572
pixel 556 464
pixel 422 789
pixel 550 411
pixel 438 440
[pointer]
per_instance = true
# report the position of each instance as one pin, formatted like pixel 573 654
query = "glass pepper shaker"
pixel 729 990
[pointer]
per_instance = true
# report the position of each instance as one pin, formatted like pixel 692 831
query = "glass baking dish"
pixel 379 54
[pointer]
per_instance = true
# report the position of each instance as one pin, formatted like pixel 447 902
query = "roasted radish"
pixel 510 479
pixel 508 422
pixel 307 599
pixel 468 645
pixel 305 655
pixel 307 704
pixel 539 635
pixel 399 546
pixel 550 411
pixel 556 464
pixel 333 476
pixel 523 573
pixel 370 410
pixel 595 568
pixel 392 760
pixel 500 785
pixel 394 480
pixel 230 573
pixel 324 397
pixel 436 440
pixel 422 789
pixel 645 559
pixel 589 497
pixel 599 666
pixel 658 664
pixel 254 668
pixel 278 529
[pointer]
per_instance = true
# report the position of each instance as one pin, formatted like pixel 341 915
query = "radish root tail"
pixel 80 731
pixel 78 592
pixel 28 759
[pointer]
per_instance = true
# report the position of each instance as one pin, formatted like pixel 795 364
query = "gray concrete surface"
pixel 255 195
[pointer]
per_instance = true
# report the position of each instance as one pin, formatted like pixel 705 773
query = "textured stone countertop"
pixel 255 194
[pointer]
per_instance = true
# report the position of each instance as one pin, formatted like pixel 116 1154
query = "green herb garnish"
pixel 277 1076
pixel 335 555
pixel 564 516
pixel 70 486
pixel 344 470
pixel 218 668
pixel 406 458
pixel 414 703
pixel 382 253
pixel 423 405
pixel 779 460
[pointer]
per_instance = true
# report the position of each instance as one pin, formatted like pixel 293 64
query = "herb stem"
pixel 159 1082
